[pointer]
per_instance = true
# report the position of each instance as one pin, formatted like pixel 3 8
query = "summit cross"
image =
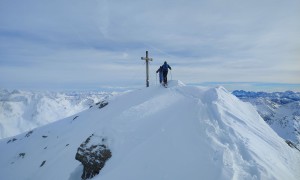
pixel 147 59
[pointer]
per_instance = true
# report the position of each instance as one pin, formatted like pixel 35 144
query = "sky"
pixel 76 44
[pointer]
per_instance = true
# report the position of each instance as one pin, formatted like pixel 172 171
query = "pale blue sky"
pixel 77 44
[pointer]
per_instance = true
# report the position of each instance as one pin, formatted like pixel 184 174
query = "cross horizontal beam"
pixel 147 59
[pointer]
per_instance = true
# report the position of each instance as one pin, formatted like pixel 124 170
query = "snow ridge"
pixel 281 110
pixel 180 132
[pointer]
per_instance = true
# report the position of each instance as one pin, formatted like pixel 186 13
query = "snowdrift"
pixel 180 132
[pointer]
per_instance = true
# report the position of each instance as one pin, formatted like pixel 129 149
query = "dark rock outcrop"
pixel 22 155
pixel 29 133
pixel 75 117
pixel 93 153
pixel 43 163
pixel 291 144
pixel 11 140
pixel 102 104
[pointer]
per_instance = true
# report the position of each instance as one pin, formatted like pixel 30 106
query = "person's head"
pixel 165 62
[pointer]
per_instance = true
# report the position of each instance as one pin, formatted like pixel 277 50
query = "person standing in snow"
pixel 160 74
pixel 165 68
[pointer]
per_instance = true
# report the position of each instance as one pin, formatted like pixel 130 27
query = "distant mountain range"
pixel 281 110
pixel 22 111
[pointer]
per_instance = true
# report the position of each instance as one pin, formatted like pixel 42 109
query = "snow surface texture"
pixel 180 132
pixel 281 110
pixel 21 111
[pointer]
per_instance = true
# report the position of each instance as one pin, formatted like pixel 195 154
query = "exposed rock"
pixel 43 163
pixel 102 104
pixel 44 136
pixel 11 140
pixel 29 133
pixel 22 155
pixel 93 153
pixel 291 144
pixel 75 117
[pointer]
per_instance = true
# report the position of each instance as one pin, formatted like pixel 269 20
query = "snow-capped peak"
pixel 180 132
pixel 22 111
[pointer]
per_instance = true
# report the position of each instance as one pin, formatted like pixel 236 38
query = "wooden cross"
pixel 147 59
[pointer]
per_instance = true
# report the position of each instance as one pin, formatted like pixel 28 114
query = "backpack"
pixel 165 67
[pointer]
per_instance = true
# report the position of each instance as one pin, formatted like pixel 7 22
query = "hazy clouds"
pixel 74 43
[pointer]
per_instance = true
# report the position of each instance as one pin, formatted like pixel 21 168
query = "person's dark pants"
pixel 160 77
pixel 165 76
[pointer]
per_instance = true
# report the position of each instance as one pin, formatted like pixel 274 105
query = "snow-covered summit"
pixel 180 132
pixel 174 83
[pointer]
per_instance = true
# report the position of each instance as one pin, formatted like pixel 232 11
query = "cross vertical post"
pixel 147 59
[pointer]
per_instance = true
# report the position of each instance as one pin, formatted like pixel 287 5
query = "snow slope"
pixel 281 110
pixel 22 111
pixel 182 132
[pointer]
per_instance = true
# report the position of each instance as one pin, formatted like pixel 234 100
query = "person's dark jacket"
pixel 159 70
pixel 165 67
